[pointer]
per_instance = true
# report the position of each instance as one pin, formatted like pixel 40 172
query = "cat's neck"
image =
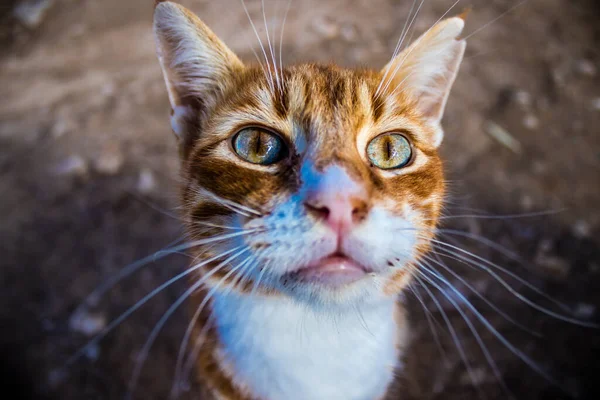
pixel 310 354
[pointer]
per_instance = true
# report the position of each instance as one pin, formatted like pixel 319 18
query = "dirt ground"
pixel 88 175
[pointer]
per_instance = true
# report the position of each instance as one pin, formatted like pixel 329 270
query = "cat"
pixel 310 193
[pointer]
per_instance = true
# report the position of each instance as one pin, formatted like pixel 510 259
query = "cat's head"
pixel 315 181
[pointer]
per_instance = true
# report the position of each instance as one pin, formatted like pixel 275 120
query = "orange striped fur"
pixel 325 116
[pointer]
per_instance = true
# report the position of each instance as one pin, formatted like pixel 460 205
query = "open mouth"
pixel 334 270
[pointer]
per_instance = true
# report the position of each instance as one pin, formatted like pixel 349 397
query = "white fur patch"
pixel 284 350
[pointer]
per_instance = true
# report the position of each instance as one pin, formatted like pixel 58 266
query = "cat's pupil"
pixel 258 144
pixel 388 148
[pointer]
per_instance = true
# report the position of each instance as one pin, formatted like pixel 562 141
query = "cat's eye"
pixel 259 146
pixel 389 151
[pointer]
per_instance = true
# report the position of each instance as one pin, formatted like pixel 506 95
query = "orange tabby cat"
pixel 321 187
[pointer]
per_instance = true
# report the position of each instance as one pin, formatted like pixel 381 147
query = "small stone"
pixel 523 98
pixel 146 182
pixel 475 376
pixel 349 32
pixel 73 165
pixel 596 104
pixel 62 126
pixel 503 137
pixel 526 202
pixel 539 167
pixel 584 310
pixel 87 323
pixel 554 265
pixel 586 67
pixel 581 229
pixel 48 325
pixel 56 378
pixel 110 162
pixel 531 122
pixel 31 13
pixel 93 352
pixel 326 27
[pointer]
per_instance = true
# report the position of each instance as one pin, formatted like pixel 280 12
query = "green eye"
pixel 389 151
pixel 258 146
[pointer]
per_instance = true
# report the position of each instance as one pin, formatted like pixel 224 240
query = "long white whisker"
pixel 289 3
pixel 480 342
pixel 240 278
pixel 159 325
pixel 190 328
pixel 513 291
pixel 455 339
pixel 270 45
pixel 402 38
pixel 397 48
pixel 415 46
pixel 109 328
pixel 270 80
pixel 504 216
pixel 495 332
pixel 232 205
pixel 496 19
pixel 130 269
pixel 483 298
pixel 430 318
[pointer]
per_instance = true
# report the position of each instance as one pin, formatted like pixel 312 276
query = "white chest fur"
pixel 282 350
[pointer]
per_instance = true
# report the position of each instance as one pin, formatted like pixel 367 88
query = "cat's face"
pixel 326 181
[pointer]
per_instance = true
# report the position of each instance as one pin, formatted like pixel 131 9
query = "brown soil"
pixel 88 179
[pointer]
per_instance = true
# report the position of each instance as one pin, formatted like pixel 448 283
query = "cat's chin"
pixel 334 271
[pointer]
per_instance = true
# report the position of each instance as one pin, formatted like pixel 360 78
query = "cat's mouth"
pixel 334 270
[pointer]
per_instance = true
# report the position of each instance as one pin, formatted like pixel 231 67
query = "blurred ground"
pixel 88 176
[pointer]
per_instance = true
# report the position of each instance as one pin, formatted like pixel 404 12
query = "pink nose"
pixel 337 199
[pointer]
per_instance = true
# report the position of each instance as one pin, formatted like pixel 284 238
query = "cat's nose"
pixel 337 199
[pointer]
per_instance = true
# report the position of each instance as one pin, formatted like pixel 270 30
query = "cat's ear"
pixel 196 66
pixel 426 70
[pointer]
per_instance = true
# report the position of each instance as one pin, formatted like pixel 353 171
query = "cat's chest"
pixel 281 350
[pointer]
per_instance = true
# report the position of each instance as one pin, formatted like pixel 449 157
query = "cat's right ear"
pixel 196 66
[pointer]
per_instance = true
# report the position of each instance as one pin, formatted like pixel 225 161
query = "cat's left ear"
pixel 196 65
pixel 427 69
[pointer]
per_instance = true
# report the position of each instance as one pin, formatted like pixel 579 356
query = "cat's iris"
pixel 258 146
pixel 389 151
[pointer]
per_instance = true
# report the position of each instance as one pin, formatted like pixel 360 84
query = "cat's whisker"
pixel 101 290
pixel 453 334
pixel 522 356
pixel 397 48
pixel 193 321
pixel 496 19
pixel 523 298
pixel 430 322
pixel 482 297
pixel 156 208
pixel 263 269
pixel 239 280
pixel 476 335
pixel 485 265
pixel 211 225
pixel 159 325
pixel 266 58
pixel 272 53
pixel 396 68
pixel 500 217
pixel 230 204
pixel 287 10
pixel 116 322
pixel 415 45
pixel 465 254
